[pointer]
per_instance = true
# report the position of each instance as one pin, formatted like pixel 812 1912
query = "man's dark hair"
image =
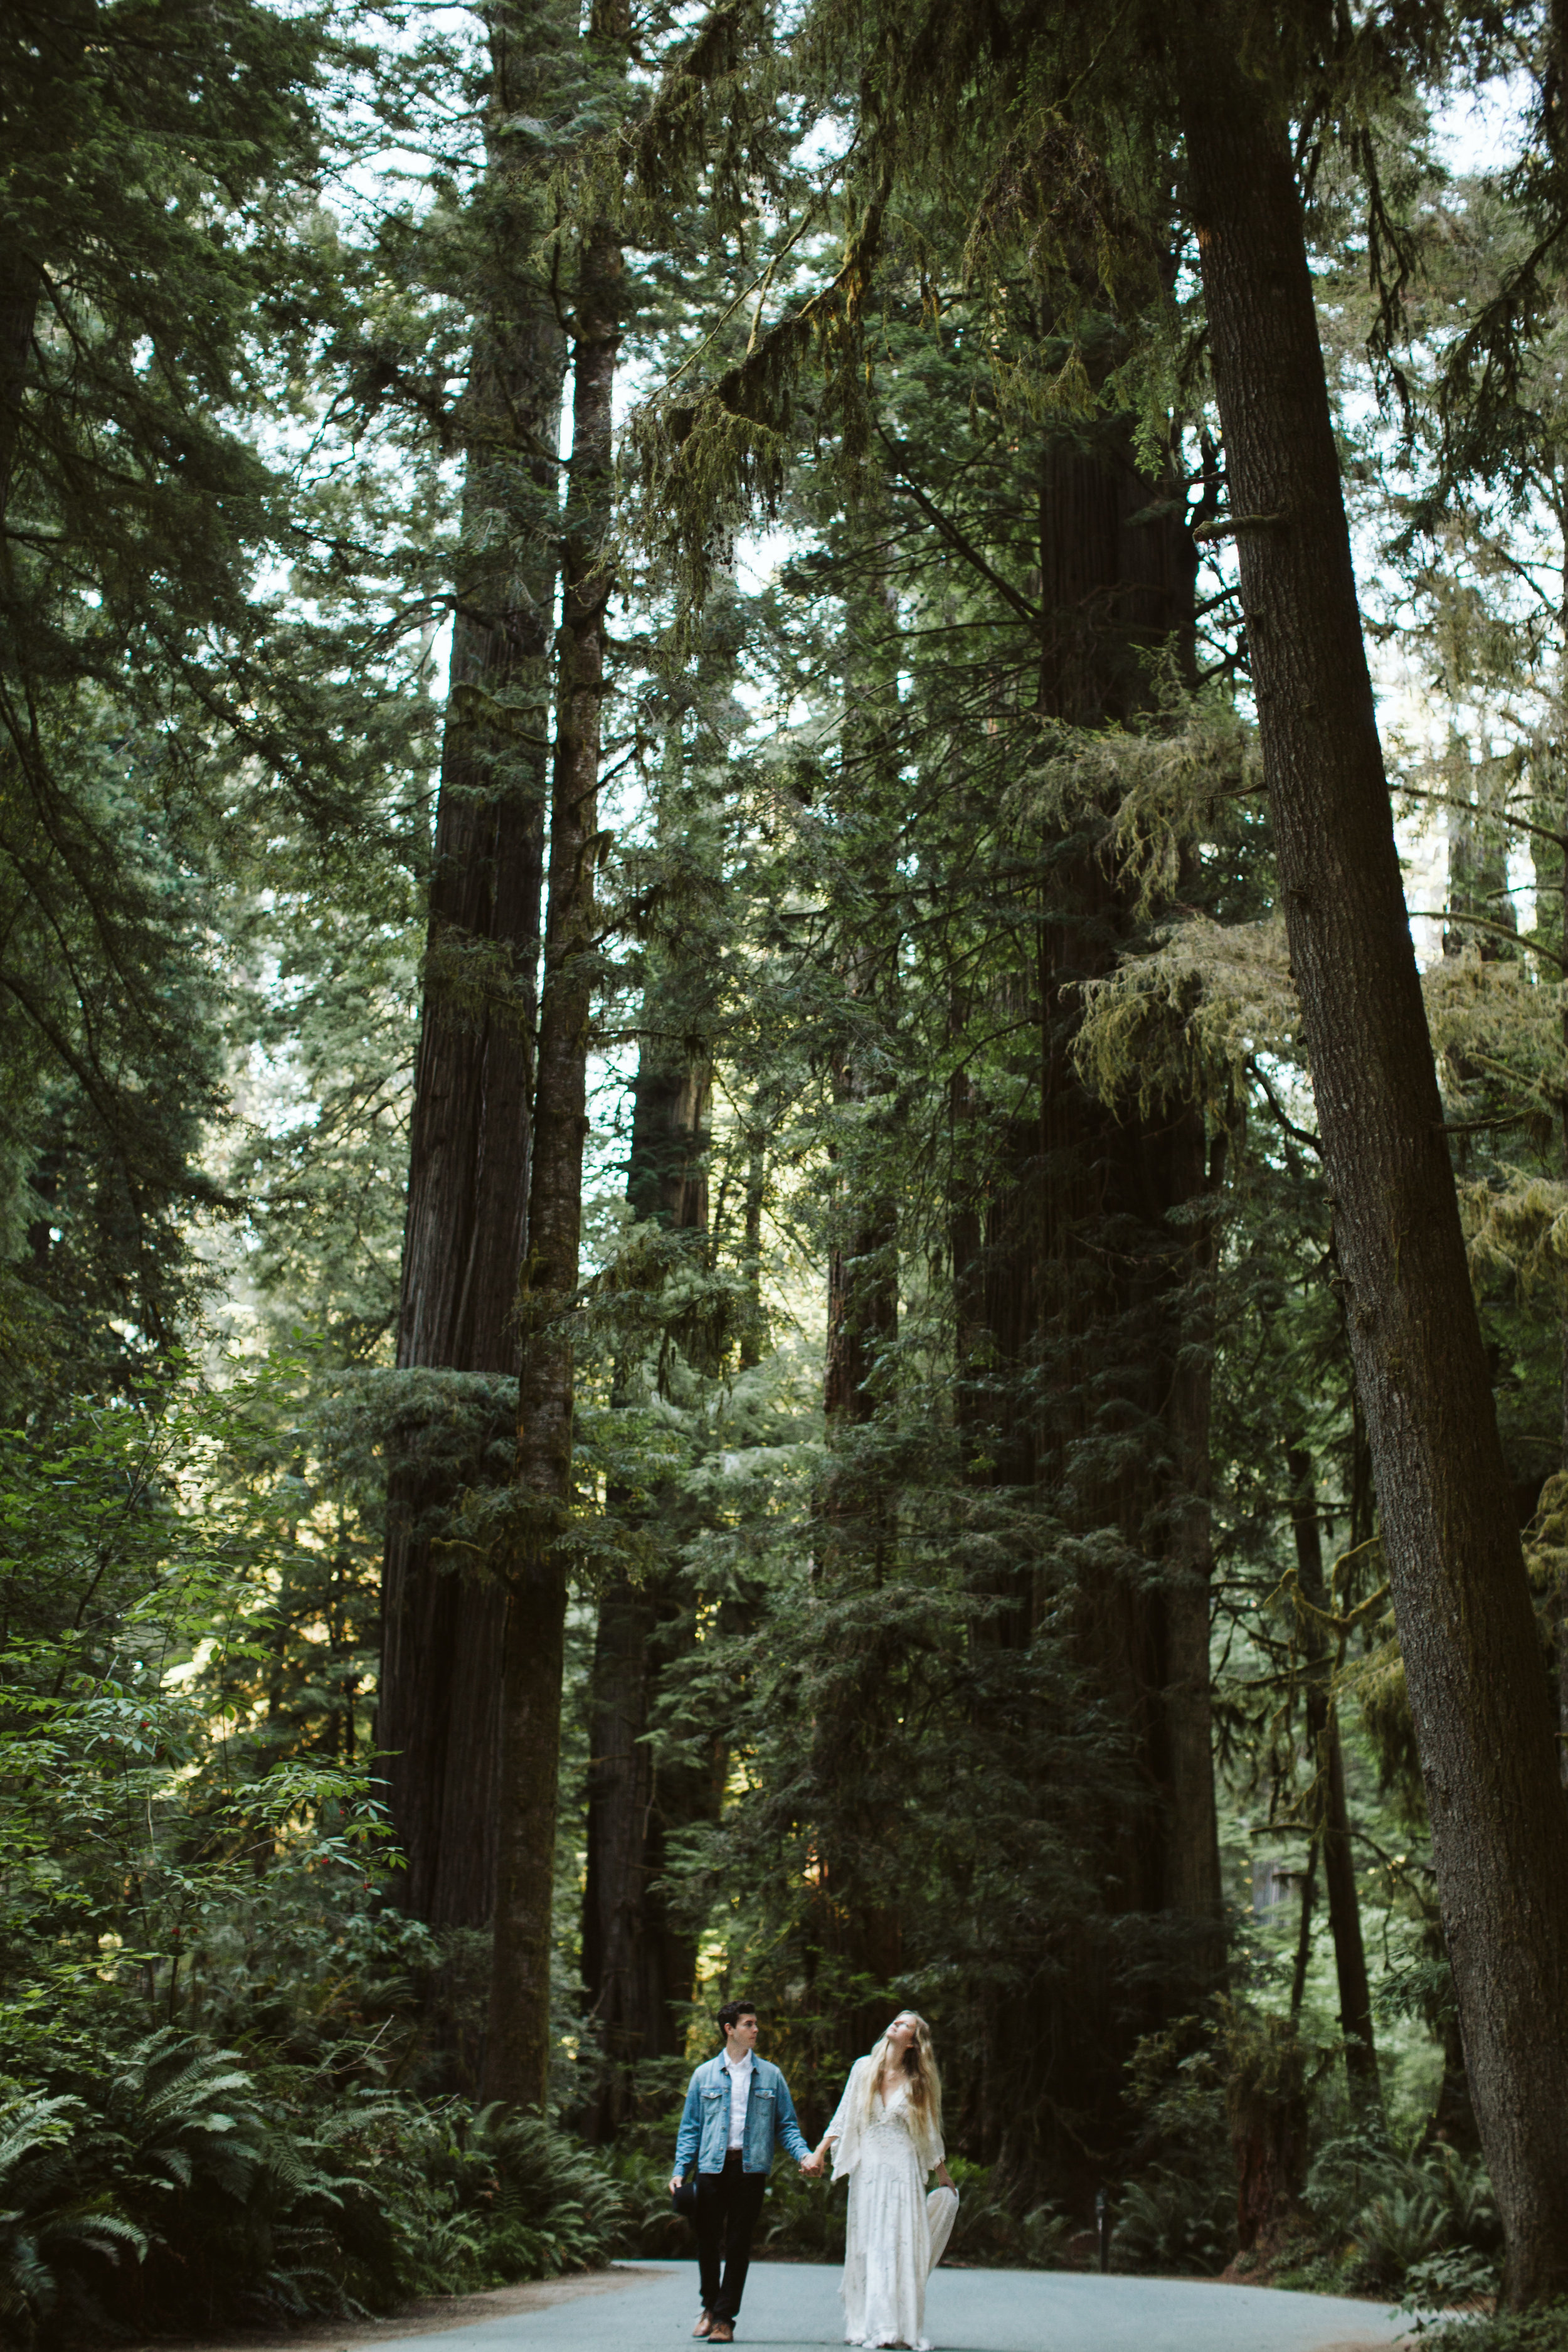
pixel 734 2011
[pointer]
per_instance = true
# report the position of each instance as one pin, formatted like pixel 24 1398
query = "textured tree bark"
pixel 1500 1828
pixel 1112 588
pixel 667 1175
pixel 468 1155
pixel 471 1120
pixel 1073 1279
pixel 516 2048
pixel 1452 2122
pixel 1266 2104
pixel 1332 1828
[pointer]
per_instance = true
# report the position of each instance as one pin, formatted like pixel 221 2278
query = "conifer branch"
pixel 956 539
pixel 1298 1134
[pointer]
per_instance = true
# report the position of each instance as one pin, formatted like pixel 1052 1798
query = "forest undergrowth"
pixel 219 2100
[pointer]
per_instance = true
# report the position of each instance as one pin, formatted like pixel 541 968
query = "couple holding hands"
pixel 886 2138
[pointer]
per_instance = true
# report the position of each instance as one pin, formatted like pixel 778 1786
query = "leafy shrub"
pixel 175 2190
pixel 988 2228
pixel 1400 2226
pixel 208 1997
pixel 1384 2219
pixel 1395 2213
pixel 48 2249
pixel 1175 2221
pixel 803 2220
pixel 1458 2280
pixel 1545 2329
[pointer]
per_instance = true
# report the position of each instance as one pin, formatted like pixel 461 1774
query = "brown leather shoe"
pixel 704 2326
pixel 721 2332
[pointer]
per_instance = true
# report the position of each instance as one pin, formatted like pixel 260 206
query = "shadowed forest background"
pixel 670 1319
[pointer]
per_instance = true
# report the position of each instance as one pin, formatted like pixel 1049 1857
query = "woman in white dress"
pixel 886 2138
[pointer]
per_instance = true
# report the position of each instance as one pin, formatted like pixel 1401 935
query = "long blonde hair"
pixel 919 2070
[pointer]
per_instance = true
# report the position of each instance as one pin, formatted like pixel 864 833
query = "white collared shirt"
pixel 740 2070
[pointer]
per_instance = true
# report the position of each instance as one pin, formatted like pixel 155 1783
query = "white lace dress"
pixel 896 2232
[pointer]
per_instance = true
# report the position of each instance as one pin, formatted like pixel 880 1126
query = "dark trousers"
pixel 728 2203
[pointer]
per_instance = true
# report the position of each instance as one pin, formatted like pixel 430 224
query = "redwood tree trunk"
pixel 638 1964
pixel 667 1176
pixel 859 1820
pixel 1120 1275
pixel 621 1961
pixel 1330 1812
pixel 1472 1653
pixel 1075 1281
pixel 471 1121
pixel 469 1154
pixel 516 2048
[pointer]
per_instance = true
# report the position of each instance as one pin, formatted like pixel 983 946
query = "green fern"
pixel 1170 2221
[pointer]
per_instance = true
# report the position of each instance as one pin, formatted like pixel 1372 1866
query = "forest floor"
pixel 792 2305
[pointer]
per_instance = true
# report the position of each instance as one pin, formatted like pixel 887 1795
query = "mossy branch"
pixel 703 460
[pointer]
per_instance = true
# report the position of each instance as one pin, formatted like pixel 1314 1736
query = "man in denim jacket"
pixel 737 2107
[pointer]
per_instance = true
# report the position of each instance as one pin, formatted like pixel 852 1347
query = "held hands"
pixel 811 2166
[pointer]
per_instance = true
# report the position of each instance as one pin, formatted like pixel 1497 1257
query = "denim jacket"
pixel 705 2125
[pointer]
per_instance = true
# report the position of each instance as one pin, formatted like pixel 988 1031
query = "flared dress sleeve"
pixel 844 2131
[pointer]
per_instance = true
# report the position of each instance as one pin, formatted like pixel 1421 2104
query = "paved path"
pixel 796 2303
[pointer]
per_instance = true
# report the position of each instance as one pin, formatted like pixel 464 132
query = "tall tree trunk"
pixel 638 1964
pixel 622 1973
pixel 754 1327
pixel 1194 1890
pixel 1076 1279
pixel 1304 1931
pixel 860 1856
pixel 470 1130
pixel 463 1246
pixel 1331 1812
pixel 666 1173
pixel 639 1961
pixel 1471 1647
pixel 516 2048
pixel 858 1811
